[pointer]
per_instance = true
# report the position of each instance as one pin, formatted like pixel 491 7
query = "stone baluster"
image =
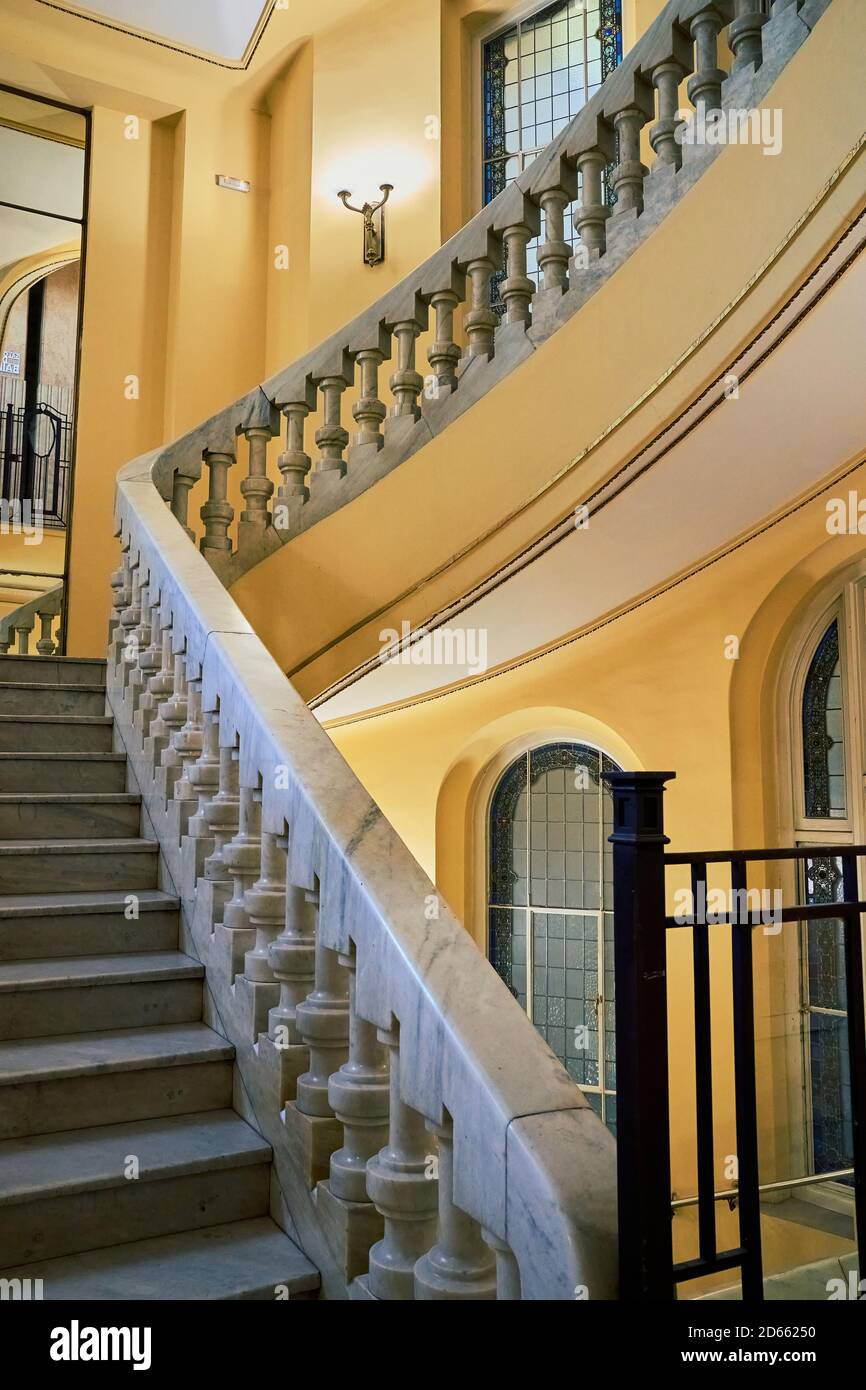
pixel 120 597
pixel 705 84
pixel 170 712
pixel 443 353
pixel 744 34
pixel 406 383
pixel 181 485
pixel 369 411
pixel 172 718
pixel 223 816
pixel 204 776
pixel 592 212
pixel 146 646
pixel 358 1094
pixel 292 958
pixel 323 1024
pixel 242 857
pixel 46 645
pixel 217 512
pixel 23 631
pixel 554 252
pixel 130 617
pixel 294 464
pixel 517 289
pixel 629 174
pixel 159 686
pixel 459 1265
pixel 331 437
pixel 402 1184
pixel 188 747
pixel 507 1271
pixel 481 321
pixel 257 488
pixel 667 78
pixel 265 906
pixel 5 643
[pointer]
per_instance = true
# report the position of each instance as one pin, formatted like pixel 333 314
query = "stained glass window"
pixel 823 732
pixel 551 906
pixel 827 1041
pixel 538 73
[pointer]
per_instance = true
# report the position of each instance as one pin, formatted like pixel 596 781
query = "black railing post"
pixel 643 1104
pixel 856 1047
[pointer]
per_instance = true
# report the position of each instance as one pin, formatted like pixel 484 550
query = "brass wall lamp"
pixel 374 223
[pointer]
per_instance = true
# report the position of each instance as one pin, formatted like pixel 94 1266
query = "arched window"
pixel 550 906
pixel 824 808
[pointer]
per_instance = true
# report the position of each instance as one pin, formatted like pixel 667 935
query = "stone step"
pixel 78 1080
pixel 45 998
pixel 38 697
pixel 34 926
pixel 49 733
pixel 68 1192
pixel 53 670
pixel 28 865
pixel 239 1260
pixel 62 772
pixel 69 815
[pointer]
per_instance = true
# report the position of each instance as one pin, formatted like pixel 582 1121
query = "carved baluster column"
pixel 223 816
pixel 358 1094
pixel 293 961
pixel 663 134
pixel 182 484
pixel 554 252
pixel 443 353
pixel 481 321
pixel 265 906
pixel 46 646
pixel 242 857
pixel 517 288
pixel 294 464
pixel 159 687
pixel 370 411
pixel 172 718
pixel 217 513
pixel 331 437
pixel 323 1024
pixel 406 383
pixel 120 598
pixel 257 488
pixel 204 776
pixel 188 747
pixel 130 618
pixel 459 1266
pixel 590 220
pixel 401 1182
pixel 744 35
pixel 629 173
pixel 148 645
pixel 507 1271
pixel 5 643
pixel 24 630
pixel 705 84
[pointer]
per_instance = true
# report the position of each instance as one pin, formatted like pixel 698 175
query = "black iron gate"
pixel 647 1267
pixel 35 448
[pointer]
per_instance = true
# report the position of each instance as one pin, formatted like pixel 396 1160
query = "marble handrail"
pixel 45 609
pixel 533 1167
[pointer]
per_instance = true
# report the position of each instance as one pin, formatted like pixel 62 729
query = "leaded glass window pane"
pixel 823 731
pixel 825 990
pixel 551 899
pixel 537 76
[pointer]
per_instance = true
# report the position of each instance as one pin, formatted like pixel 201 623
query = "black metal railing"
pixel 35 451
pixel 647 1266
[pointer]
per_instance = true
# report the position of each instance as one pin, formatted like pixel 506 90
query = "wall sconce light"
pixel 374 223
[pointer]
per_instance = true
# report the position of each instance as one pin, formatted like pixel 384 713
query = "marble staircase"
pixel 124 1171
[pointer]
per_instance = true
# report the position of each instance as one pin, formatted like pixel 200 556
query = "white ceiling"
pixel 221 27
pixel 799 416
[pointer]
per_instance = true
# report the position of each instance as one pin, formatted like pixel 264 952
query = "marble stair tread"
pixel 58 670
pixel 80 971
pixel 84 901
pixel 72 798
pixel 36 756
pixel 71 688
pixel 29 1060
pixel 103 720
pixel 125 846
pixel 237 1260
pixel 88 1160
